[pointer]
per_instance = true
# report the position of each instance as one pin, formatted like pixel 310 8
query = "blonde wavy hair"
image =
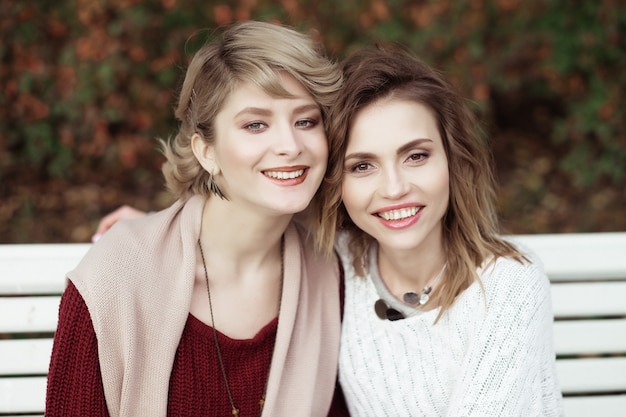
pixel 246 52
pixel 470 225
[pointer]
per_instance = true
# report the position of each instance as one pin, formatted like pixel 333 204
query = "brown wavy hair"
pixel 470 225
pixel 247 51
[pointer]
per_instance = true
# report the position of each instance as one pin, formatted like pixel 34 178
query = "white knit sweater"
pixel 491 354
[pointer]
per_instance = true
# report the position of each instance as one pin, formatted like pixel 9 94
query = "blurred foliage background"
pixel 87 85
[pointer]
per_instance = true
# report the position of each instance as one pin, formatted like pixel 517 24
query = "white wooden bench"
pixel 588 274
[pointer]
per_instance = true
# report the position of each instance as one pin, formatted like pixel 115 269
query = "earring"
pixel 212 186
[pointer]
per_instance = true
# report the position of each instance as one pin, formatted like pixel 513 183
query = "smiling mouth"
pixel 284 175
pixel 399 214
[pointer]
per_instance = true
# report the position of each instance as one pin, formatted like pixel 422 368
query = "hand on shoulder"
pixel 123 212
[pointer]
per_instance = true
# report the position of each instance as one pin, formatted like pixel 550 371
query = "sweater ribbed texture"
pixel 196 384
pixel 491 354
pixel 137 283
pixel 74 382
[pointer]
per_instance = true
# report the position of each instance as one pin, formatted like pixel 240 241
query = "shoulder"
pixel 138 249
pixel 346 258
pixel 528 268
pixel 341 247
pixel 516 281
pixel 341 242
pixel 127 240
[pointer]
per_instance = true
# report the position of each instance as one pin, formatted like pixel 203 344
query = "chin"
pixel 295 203
pixel 297 209
pixel 399 244
pixel 290 208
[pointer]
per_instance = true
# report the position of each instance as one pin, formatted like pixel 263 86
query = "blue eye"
pixel 255 126
pixel 306 123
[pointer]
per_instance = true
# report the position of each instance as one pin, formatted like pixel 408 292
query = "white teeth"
pixel 399 214
pixel 284 175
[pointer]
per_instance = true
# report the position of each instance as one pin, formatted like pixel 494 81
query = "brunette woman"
pixel 442 316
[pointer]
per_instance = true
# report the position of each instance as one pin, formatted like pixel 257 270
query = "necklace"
pixel 235 410
pixel 413 298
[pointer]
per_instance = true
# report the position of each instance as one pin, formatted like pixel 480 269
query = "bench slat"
pixel 586 375
pixel 596 406
pixel 23 395
pixel 25 356
pixel 41 268
pixel 579 256
pixel 607 299
pixel 569 260
pixel 573 337
pixel 29 314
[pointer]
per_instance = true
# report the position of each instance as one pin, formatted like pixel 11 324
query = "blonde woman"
pixel 220 304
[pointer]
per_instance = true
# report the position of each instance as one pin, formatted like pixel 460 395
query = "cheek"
pixel 351 198
pixel 442 189
pixel 319 147
pixel 229 154
pixel 316 149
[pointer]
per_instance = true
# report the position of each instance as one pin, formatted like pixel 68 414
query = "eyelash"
pixel 363 166
pixel 420 156
pixel 309 122
pixel 356 167
pixel 251 126
pixel 302 123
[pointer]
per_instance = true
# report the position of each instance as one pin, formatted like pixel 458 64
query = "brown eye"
pixel 418 157
pixel 360 167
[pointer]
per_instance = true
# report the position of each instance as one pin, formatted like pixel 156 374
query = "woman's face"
pixel 396 184
pixel 270 153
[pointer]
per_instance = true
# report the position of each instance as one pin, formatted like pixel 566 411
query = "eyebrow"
pixel 254 110
pixel 267 112
pixel 402 149
pixel 306 107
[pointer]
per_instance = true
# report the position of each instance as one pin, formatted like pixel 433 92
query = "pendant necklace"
pixel 415 299
pixel 235 410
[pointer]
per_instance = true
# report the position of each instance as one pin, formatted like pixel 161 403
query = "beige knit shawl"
pixel 137 282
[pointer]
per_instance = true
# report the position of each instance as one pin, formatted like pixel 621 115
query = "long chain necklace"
pixel 235 410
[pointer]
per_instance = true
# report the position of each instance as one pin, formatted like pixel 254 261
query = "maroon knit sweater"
pixel 197 386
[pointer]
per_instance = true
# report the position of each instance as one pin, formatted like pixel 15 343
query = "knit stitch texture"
pixel 196 385
pixel 491 354
pixel 137 284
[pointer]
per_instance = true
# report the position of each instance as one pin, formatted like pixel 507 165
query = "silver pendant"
pixel 424 297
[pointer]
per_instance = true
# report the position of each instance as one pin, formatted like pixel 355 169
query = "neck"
pixel 242 230
pixel 408 270
pixel 237 246
pixel 242 264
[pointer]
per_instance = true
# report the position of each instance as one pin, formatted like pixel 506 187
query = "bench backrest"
pixel 32 278
pixel 587 271
pixel 588 276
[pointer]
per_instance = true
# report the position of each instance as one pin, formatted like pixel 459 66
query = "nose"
pixel 393 183
pixel 288 141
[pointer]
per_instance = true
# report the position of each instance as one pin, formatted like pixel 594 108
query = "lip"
pixel 402 223
pixel 287 181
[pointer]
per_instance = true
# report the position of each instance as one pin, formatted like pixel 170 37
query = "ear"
pixel 204 153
